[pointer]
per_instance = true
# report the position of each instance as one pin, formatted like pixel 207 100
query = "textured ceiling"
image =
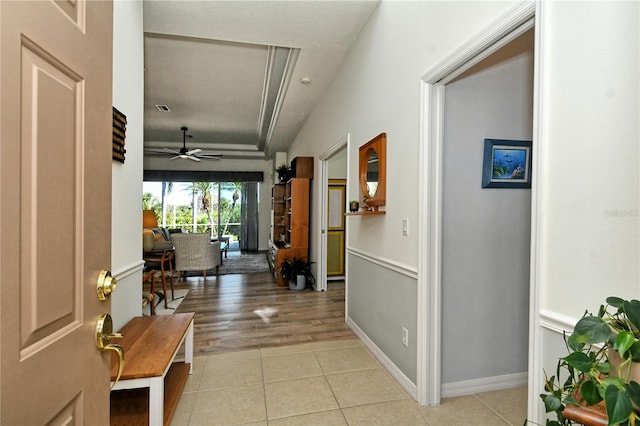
pixel 230 71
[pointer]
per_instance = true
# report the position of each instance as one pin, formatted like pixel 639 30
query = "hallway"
pixel 303 366
pixel 324 383
pixel 225 319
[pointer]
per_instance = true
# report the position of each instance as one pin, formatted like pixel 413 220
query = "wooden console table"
pixel 151 381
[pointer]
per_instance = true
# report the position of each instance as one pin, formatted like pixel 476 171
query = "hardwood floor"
pixel 225 319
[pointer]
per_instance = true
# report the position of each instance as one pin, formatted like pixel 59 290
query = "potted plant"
pixel 354 205
pixel 298 272
pixel 282 171
pixel 604 350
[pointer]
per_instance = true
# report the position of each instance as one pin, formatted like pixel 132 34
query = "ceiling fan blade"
pixel 192 157
pixel 193 151
pixel 211 156
pixel 171 151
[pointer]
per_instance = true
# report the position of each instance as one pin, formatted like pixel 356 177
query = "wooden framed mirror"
pixel 373 172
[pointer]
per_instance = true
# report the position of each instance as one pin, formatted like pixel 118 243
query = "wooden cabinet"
pixel 278 213
pixel 290 227
pixel 297 212
pixel 302 167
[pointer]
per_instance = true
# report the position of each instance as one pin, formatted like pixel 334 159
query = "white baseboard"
pixel 397 374
pixel 486 384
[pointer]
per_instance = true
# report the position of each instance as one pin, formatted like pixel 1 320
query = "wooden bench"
pixel 151 382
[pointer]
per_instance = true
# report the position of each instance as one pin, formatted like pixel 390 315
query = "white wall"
pixel 486 231
pixel 337 165
pixel 377 90
pixel 586 195
pixel 126 202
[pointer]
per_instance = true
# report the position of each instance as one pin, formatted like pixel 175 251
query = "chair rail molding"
pixel 127 270
pixel 556 322
pixel 398 267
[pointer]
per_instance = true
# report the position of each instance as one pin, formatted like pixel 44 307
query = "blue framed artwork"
pixel 506 164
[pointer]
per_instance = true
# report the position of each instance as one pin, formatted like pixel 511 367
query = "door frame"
pixel 321 272
pixel 432 94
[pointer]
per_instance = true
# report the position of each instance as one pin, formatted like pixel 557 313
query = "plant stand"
pixel 587 416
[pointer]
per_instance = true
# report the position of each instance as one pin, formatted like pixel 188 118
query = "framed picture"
pixel 507 164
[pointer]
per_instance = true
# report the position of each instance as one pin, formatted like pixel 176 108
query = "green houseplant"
pixel 603 350
pixel 282 171
pixel 298 272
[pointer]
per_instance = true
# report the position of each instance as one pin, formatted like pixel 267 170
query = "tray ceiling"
pixel 232 71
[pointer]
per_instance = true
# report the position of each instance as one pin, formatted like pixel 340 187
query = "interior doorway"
pixel 430 271
pixel 486 249
pixel 336 228
pixel 334 165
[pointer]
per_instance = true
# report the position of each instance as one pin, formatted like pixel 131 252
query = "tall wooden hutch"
pixel 290 216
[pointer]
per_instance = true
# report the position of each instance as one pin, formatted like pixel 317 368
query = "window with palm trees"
pixel 196 206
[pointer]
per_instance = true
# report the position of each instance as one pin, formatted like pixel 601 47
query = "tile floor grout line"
pixel 264 389
pixel 492 409
pixel 198 393
pixel 333 393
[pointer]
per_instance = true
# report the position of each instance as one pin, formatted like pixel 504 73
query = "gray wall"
pixel 486 232
pixel 371 282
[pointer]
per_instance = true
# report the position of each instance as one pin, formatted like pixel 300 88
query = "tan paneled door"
pixel 55 209
pixel 335 227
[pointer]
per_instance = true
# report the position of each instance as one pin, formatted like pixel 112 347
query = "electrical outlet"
pixel 405 226
pixel 405 336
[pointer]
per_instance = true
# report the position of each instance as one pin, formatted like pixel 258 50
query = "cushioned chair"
pixel 195 252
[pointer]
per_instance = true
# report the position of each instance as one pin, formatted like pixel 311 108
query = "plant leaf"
pixel 624 340
pixel 551 403
pixel 634 351
pixel 589 390
pixel 603 367
pixel 591 329
pixel 633 389
pixel 573 345
pixel 579 360
pixel 632 310
pixel 613 381
pixel 618 405
pixel 616 302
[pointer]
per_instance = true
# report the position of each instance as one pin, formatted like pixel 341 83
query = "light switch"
pixel 405 226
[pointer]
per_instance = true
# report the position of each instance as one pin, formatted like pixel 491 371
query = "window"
pixel 213 207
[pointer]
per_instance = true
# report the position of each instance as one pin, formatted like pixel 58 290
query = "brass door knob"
pixel 106 285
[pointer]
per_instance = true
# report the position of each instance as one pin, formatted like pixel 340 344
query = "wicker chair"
pixel 195 252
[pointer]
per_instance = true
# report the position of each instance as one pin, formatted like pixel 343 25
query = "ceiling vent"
pixel 163 108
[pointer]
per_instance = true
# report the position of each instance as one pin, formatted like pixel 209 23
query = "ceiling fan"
pixel 191 154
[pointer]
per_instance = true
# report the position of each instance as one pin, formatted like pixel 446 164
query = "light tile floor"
pixel 324 383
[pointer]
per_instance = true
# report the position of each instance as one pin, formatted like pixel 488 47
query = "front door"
pixel 55 209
